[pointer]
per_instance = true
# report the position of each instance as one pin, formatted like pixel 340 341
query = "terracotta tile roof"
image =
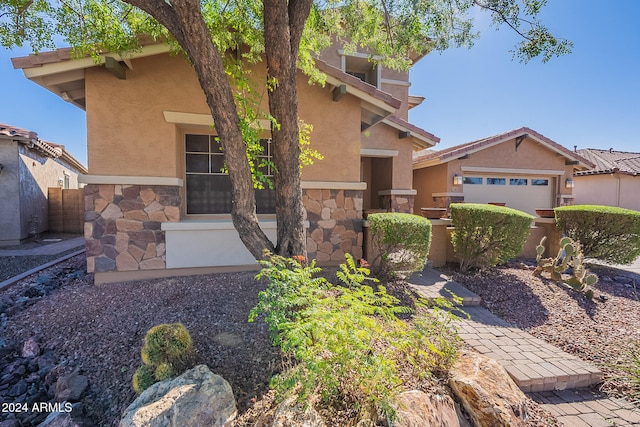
pixel 357 83
pixel 414 129
pixel 48 148
pixel 457 151
pixel 13 131
pixel 610 161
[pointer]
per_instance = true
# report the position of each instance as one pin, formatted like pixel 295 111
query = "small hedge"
pixel 487 235
pixel 606 233
pixel 401 240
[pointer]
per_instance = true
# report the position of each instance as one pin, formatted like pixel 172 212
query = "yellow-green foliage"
pixel 348 342
pixel 167 348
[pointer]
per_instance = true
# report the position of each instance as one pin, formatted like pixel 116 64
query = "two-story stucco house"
pixel 156 200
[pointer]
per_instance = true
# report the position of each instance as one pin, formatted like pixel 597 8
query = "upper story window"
pixel 358 65
pixel 208 187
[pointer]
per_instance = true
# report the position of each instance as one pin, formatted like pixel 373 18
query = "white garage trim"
pixel 480 169
pixel 516 190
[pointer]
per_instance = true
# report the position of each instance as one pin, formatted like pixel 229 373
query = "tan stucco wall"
pixel 127 133
pixel 336 133
pixel 427 181
pixel 384 137
pixel 529 155
pixel 610 190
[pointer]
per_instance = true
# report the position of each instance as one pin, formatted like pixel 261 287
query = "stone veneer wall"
pixel 122 225
pixel 397 203
pixel 335 223
pixel 445 201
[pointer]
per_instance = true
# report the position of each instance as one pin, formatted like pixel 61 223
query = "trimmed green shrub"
pixel 345 342
pixel 166 352
pixel 487 235
pixel 401 241
pixel 606 233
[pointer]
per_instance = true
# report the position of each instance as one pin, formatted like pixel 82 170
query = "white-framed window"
pixel 208 186
pixel 518 181
pixel 472 180
pixel 359 65
pixel 539 182
pixel 496 181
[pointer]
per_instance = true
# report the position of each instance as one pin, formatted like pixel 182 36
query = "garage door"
pixel 525 193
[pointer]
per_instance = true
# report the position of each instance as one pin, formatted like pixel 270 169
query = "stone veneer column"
pixel 335 223
pixel 397 203
pixel 445 201
pixel 122 225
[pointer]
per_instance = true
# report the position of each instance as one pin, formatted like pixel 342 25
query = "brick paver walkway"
pixel 554 378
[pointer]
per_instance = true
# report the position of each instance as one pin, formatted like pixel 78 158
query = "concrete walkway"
pixel 554 378
pixel 50 249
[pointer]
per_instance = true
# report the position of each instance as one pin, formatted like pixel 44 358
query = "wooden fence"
pixel 66 210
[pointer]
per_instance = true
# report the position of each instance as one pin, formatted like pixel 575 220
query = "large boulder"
pixel 196 398
pixel 417 409
pixel 487 393
pixel 291 413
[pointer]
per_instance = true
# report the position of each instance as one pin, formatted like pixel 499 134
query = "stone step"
pixel 431 284
pixel 534 365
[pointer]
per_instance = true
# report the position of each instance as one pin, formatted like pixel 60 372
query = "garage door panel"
pixel 525 193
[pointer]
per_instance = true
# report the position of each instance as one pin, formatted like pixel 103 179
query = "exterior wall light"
pixel 569 183
pixel 457 179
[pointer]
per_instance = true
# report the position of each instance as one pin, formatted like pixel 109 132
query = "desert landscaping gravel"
pixel 99 329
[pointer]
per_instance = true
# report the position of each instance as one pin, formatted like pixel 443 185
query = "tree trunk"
pixel 185 22
pixel 283 25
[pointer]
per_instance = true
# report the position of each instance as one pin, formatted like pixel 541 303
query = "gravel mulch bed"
pixel 13 265
pixel 100 329
pixel 602 330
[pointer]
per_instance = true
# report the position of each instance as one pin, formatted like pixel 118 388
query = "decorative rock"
pixel 30 348
pixel 172 213
pixel 291 414
pixel 125 262
pixel 111 212
pixel 138 215
pixel 71 387
pixel 416 409
pixel 487 393
pixel 18 388
pixel 152 264
pixel 128 225
pixel 102 263
pixel 196 398
pixel 147 195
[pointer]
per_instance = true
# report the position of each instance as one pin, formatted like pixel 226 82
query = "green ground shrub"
pixel 345 342
pixel 606 233
pixel 487 235
pixel 166 352
pixel 401 240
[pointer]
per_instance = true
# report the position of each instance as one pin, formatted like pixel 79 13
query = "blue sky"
pixel 590 98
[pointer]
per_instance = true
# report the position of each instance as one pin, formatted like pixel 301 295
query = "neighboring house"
pixel 614 181
pixel 156 201
pixel 28 167
pixel 521 168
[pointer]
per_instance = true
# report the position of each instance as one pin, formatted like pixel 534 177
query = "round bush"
pixel 487 235
pixel 402 241
pixel 606 233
